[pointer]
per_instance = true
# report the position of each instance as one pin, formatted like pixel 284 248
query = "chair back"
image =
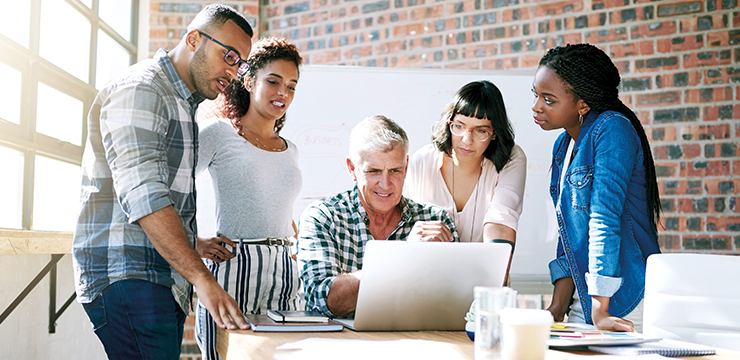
pixel 694 298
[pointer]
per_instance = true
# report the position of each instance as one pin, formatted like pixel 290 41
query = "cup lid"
pixel 516 316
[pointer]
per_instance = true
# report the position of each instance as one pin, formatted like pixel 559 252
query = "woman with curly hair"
pixel 256 180
pixel 603 187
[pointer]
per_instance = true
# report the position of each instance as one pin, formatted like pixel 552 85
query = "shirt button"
pixel 579 183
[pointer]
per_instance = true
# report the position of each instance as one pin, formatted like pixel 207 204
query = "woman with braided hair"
pixel 603 187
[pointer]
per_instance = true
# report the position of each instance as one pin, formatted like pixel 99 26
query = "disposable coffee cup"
pixel 524 333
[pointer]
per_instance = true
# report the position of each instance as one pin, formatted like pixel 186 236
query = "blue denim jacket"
pixel 605 234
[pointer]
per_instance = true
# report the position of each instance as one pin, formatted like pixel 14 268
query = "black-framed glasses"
pixel 478 133
pixel 231 57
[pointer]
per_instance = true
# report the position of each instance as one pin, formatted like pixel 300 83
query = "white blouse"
pixel 497 197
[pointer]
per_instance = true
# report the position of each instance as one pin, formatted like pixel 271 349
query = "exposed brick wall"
pixel 680 63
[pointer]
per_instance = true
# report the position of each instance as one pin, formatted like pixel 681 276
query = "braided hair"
pixel 589 74
pixel 233 102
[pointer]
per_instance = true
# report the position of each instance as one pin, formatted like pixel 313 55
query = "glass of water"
pixel 489 301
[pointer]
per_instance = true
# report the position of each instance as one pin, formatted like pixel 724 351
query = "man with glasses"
pixel 134 255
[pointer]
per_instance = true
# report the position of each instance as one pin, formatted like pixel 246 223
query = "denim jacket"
pixel 605 234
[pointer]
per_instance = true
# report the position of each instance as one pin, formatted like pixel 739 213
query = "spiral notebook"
pixel 663 348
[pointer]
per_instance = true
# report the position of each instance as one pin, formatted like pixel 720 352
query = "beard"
pixel 199 74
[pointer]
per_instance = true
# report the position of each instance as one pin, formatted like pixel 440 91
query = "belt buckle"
pixel 274 241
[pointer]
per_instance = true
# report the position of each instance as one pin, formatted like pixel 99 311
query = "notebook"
pixel 585 337
pixel 296 316
pixel 263 323
pixel 424 286
pixel 663 348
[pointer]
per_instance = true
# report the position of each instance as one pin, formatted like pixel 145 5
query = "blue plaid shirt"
pixel 139 157
pixel 332 237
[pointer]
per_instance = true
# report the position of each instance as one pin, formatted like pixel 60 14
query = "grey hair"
pixel 376 134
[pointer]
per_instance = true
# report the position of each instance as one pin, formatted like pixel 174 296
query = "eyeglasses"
pixel 479 134
pixel 231 57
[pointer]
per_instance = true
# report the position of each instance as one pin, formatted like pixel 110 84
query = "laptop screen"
pixel 409 286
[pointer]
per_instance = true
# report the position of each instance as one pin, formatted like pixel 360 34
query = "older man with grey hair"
pixel 333 232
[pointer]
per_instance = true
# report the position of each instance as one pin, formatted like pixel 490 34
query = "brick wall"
pixel 680 63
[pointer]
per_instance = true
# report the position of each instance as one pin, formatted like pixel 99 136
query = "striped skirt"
pixel 259 277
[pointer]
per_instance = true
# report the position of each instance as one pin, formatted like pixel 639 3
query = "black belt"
pixel 267 241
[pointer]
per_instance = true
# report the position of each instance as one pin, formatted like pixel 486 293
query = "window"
pixel 54 56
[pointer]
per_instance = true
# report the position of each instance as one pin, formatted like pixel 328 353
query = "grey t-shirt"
pixel 254 189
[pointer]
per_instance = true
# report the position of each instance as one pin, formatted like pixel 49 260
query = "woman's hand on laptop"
pixel 430 231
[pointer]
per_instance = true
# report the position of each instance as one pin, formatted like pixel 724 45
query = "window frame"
pixel 35 69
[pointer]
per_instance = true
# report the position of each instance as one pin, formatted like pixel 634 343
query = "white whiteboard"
pixel 330 100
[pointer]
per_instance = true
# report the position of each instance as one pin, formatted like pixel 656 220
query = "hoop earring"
pixel 580 119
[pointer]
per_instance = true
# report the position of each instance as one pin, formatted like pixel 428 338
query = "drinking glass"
pixel 489 301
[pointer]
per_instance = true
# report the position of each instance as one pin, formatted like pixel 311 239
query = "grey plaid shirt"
pixel 332 237
pixel 139 157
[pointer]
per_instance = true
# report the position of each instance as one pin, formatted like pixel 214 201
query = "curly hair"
pixel 233 102
pixel 590 75
pixel 481 100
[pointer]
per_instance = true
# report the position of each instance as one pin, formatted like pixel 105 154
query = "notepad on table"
pixel 297 316
pixel 580 337
pixel 663 348
pixel 263 323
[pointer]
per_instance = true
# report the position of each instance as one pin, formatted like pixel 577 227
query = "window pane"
pixel 117 14
pixel 59 115
pixel 11 188
pixel 10 94
pixel 65 38
pixel 15 19
pixel 56 195
pixel 112 59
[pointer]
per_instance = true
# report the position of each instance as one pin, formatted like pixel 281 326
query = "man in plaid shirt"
pixel 333 231
pixel 134 256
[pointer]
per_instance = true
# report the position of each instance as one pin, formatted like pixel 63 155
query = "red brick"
pixel 470 65
pixel 430 12
pixel 325 57
pixel 668 133
pixel 718 39
pixel 501 63
pixel 658 99
pixel 704 168
pixel 644 30
pixel 390 47
pixel 705 132
pixel 705 58
pixel 679 190
pixel 669 242
pixel 721 222
pixel 613 35
pixel 712 186
pixel 608 4
pixel 686 43
pixel 736 170
pixel 631 49
pixel 530 61
pixel 544 10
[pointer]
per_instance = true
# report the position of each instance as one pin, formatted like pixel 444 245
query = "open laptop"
pixel 410 286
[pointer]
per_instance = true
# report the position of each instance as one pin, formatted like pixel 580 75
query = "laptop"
pixel 423 286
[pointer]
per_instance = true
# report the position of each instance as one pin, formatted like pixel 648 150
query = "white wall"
pixel 24 334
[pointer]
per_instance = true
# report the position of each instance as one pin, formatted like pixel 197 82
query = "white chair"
pixel 694 298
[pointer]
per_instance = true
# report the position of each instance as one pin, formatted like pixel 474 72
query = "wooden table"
pixel 249 345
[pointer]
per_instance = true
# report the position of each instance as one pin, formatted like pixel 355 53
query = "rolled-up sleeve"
pixel 133 128
pixel 506 207
pixel 319 256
